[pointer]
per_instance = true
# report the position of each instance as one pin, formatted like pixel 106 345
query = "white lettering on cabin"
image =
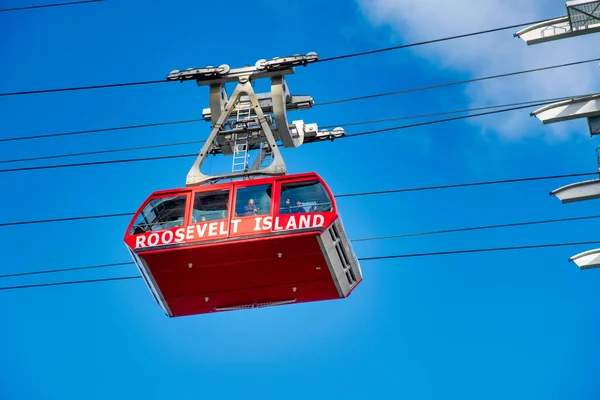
pixel 140 241
pixel 180 235
pixel 235 223
pixel 277 227
pixel 190 232
pixel 304 222
pixel 167 237
pixel 153 239
pixel 291 224
pixel 212 229
pixel 320 217
pixel 267 223
pixel 295 222
pixel 199 231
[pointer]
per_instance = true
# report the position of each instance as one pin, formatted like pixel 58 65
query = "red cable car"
pixel 244 244
pixel 254 242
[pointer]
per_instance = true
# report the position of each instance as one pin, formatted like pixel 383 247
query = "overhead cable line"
pixel 532 103
pixel 439 253
pixel 549 221
pixel 404 46
pixel 371 132
pixel 54 271
pixel 44 221
pixel 116 128
pixel 450 252
pixel 89 153
pixel 85 164
pixel 404 190
pixel 189 155
pixel 315 105
pixel 437 121
pixel 527 104
pixel 321 60
pixel 51 5
pixel 459 185
pixel 475 228
pixel 71 89
pixel 69 283
pixel 527 71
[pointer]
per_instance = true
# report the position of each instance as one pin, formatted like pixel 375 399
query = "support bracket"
pixel 587 260
pixel 583 17
pixel 580 107
pixel 248 121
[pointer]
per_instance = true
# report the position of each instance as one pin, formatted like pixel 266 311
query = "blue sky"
pixel 499 325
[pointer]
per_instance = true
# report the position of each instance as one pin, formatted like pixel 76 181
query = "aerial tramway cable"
pixel 388 191
pixel 413 234
pixel 50 5
pixel 358 54
pixel 525 104
pixel 130 160
pixel 411 255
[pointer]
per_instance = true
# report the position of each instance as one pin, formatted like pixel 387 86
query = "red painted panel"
pixel 305 292
pixel 243 272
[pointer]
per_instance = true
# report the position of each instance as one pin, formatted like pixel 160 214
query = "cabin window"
pixel 210 206
pixel 160 213
pixel 253 200
pixel 303 197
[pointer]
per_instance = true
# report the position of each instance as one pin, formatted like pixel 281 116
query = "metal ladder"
pixel 240 154
pixel 244 110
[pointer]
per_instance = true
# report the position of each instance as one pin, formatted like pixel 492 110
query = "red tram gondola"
pixel 253 242
pixel 243 244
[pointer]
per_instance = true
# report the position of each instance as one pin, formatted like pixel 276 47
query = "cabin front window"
pixel 160 213
pixel 304 197
pixel 210 206
pixel 253 200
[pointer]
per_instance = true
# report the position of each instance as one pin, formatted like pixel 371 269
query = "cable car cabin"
pixel 243 244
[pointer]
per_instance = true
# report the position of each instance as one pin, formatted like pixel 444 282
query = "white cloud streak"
pixel 490 54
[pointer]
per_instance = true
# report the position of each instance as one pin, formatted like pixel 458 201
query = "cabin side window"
pixel 160 213
pixel 304 197
pixel 210 206
pixel 253 200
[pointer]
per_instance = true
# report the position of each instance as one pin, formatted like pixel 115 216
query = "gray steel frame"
pixel 265 130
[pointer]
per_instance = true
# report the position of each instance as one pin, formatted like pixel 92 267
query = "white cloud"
pixel 495 53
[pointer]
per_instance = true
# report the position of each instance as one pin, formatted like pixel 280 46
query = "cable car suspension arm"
pixel 244 122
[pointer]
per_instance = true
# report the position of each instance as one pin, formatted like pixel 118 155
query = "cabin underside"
pixel 295 268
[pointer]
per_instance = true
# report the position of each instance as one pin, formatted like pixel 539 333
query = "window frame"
pixel 193 193
pixel 288 181
pixel 186 211
pixel 244 185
